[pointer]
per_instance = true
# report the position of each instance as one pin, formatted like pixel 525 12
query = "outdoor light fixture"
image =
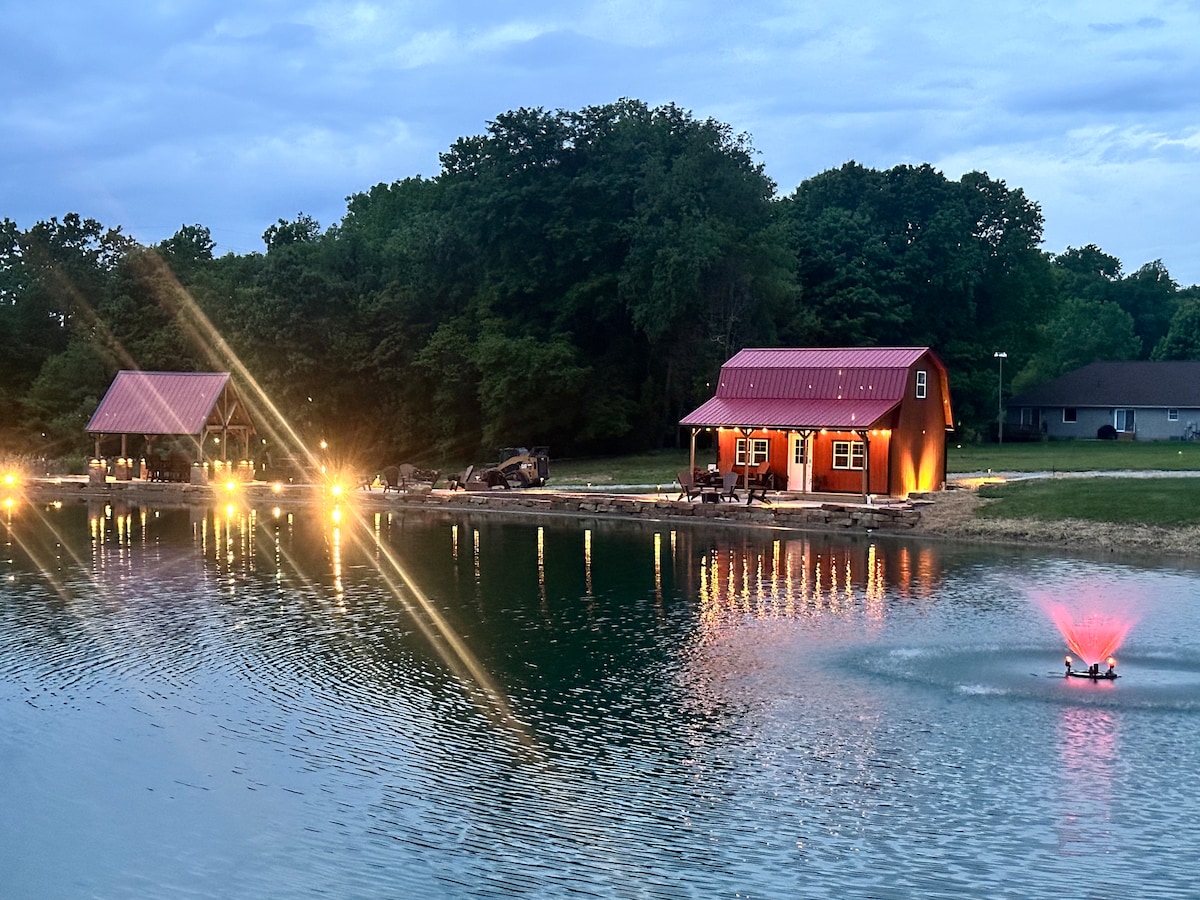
pixel 1001 356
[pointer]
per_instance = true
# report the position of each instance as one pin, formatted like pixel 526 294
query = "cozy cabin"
pixel 855 420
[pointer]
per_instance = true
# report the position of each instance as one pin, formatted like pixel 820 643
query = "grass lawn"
pixel 1074 456
pixel 657 467
pixel 1170 502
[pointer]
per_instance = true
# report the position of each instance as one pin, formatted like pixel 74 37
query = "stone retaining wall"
pixel 852 517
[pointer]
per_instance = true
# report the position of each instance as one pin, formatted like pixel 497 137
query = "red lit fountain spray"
pixel 1092 636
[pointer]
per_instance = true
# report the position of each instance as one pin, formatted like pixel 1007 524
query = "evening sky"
pixel 153 115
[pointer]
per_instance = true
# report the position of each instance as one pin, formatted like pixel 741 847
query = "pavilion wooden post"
pixel 695 431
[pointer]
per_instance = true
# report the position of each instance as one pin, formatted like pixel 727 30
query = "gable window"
pixel 1172 415
pixel 922 384
pixel 758 451
pixel 848 455
pixel 1070 414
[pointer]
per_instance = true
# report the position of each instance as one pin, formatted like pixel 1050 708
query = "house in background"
pixel 1154 401
pixel 845 420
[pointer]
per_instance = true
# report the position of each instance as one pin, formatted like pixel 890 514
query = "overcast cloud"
pixel 158 114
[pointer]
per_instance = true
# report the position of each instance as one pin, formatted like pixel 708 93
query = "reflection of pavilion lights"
pixel 587 561
pixel 658 590
pixel 336 515
pixel 541 562
pixel 454 541
pixel 478 571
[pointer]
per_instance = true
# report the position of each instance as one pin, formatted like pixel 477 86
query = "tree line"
pixel 570 278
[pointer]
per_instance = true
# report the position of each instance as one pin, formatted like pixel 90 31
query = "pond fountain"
pixel 253 702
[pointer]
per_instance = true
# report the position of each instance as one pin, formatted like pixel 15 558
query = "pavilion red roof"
pixel 158 403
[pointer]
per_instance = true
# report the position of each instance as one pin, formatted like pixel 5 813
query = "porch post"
pixel 695 431
pixel 745 458
pixel 866 476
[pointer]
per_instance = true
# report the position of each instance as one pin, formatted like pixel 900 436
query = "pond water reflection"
pixel 285 703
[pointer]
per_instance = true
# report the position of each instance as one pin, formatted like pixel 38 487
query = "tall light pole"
pixel 1002 356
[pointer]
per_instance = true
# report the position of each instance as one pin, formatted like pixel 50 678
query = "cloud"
pixel 264 109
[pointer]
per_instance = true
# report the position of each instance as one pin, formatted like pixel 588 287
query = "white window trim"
pixel 851 453
pixel 1172 415
pixel 760 449
pixel 922 384
pixel 1074 419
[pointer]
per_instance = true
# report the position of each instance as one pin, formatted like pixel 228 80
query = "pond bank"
pixel 783 511
pixel 949 514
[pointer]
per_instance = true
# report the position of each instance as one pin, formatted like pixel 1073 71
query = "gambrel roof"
pixel 842 387
pixel 1141 383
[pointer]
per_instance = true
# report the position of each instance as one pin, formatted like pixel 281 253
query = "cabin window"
pixel 1070 414
pixel 1029 416
pixel 1172 415
pixel 758 451
pixel 848 455
pixel 922 384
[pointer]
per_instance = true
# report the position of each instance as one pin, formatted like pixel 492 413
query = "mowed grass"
pixel 1074 456
pixel 1168 502
pixel 656 467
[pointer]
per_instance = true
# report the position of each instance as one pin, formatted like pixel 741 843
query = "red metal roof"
pixel 826 358
pixel 750 413
pixel 158 403
pixel 836 387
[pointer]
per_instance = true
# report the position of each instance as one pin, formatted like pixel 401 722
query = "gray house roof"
pixel 1133 384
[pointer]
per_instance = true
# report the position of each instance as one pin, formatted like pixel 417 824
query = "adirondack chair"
pixel 728 484
pixel 687 484
pixel 460 483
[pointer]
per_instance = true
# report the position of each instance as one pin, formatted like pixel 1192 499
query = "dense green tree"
pixel 1083 331
pixel 1182 340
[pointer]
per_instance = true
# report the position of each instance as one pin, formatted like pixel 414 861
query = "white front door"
pixel 799 462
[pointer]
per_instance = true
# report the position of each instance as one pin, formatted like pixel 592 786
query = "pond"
pixel 310 703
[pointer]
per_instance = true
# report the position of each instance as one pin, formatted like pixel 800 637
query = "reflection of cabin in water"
pixel 178 418
pixel 843 420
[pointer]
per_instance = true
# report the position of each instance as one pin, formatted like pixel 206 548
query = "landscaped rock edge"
pixel 833 516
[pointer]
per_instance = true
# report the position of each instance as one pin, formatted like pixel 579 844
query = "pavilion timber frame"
pixel 192 405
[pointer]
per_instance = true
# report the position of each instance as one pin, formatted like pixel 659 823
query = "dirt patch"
pixel 953 514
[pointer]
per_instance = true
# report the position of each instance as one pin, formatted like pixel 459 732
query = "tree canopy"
pixel 571 278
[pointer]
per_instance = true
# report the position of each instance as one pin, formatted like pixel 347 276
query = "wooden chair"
pixel 728 484
pixel 460 483
pixel 391 479
pixel 687 484
pixel 407 473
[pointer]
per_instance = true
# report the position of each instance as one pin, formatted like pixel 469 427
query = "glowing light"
pixel 231 485
pixel 1091 636
pixel 276 487
pixel 336 490
pixel 336 515
pixel 10 479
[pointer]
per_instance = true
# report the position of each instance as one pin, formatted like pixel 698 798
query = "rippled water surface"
pixel 241 703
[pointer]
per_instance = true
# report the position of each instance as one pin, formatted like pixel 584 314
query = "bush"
pixel 1106 433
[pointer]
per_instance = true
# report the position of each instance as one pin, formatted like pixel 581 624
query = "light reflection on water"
pixel 237 703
